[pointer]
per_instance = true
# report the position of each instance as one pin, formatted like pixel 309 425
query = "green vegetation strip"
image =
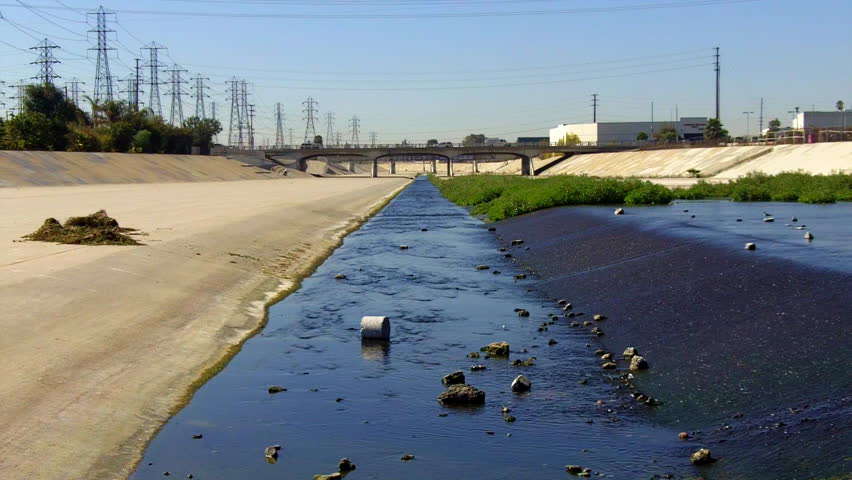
pixel 502 197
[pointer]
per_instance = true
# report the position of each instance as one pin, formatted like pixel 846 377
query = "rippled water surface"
pixel 441 309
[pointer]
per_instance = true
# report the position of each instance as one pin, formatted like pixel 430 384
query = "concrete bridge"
pixel 475 154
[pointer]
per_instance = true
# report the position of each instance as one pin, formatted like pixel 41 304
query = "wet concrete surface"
pixel 752 348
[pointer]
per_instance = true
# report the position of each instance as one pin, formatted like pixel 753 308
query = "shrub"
pixel 649 194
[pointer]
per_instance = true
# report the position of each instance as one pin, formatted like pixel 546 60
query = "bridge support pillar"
pixel 475 165
pixel 527 166
pixel 303 165
pixel 393 167
pixel 435 166
pixel 374 170
pixel 449 166
pixel 352 166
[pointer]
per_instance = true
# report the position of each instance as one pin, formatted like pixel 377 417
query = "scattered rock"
pixel 403 247
pixel 552 341
pixel 496 272
pixel 524 363
pixel 606 356
pixel 587 323
pixel 272 451
pixel 482 267
pixel 609 366
pixel 492 229
pixel 333 476
pixel 517 242
pixel 573 469
pixel 509 418
pixel 683 436
pixel 523 313
pixel 638 363
pixel 473 355
pixel 600 351
pixel 739 219
pixel 521 276
pixel 505 410
pixel 276 389
pixel 477 368
pixel 575 324
pixel 407 457
pixel 794 219
pixel 338 399
pixel 196 436
pixel 567 307
pixel 599 318
pixel 701 457
pixel 462 395
pixel 750 246
pixel 809 236
pixel 345 465
pixel 562 302
pixel 501 249
pixel 508 255
pixel 340 276
pixel 630 352
pixel 424 229
pixel 768 219
pixel 619 211
pixel 497 349
pixel 454 378
pixel 521 384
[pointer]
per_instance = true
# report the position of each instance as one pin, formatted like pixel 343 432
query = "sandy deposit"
pixel 100 344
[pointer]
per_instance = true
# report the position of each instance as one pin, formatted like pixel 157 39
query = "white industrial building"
pixel 811 120
pixel 604 133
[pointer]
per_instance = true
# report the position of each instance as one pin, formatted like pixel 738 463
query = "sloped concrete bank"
pixel 749 352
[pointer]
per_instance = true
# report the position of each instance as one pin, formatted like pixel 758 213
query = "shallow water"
pixel 441 309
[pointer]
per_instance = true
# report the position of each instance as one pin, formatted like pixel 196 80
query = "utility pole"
pixel 251 126
pixel 74 94
pixel 310 112
pixel 138 83
pixel 355 129
pixel 103 78
pixel 748 122
pixel 245 114
pixel 45 60
pixel 594 108
pixel 176 92
pixel 329 127
pixel 652 119
pixel 213 116
pixel 760 132
pixel 373 136
pixel 235 138
pixel 154 67
pixel 279 126
pixel 718 73
pixel 199 94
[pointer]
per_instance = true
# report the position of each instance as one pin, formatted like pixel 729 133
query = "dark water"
pixel 442 308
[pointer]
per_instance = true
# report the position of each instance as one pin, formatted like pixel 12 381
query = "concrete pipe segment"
pixel 375 328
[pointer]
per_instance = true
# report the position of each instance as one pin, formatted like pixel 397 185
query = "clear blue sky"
pixel 416 69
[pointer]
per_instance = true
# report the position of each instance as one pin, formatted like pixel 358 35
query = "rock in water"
pixel 482 267
pixel 609 366
pixel 477 368
pixel 345 465
pixel 619 211
pixel 454 378
pixel 333 476
pixel 750 246
pixel 552 341
pixel 599 318
pixel 403 247
pixel 407 457
pixel 517 242
pixel 638 363
pixel 701 457
pixel 521 276
pixel 340 276
pixel 768 219
pixel 809 236
pixel 521 384
pixel 573 469
pixel 462 395
pixel 630 352
pixel 276 389
pixel 497 349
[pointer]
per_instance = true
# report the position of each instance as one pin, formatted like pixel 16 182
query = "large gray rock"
pixel 701 457
pixel 638 363
pixel 521 384
pixel 630 352
pixel 454 378
pixel 462 395
pixel 496 349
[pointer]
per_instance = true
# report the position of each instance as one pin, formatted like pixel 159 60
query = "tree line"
pixel 50 121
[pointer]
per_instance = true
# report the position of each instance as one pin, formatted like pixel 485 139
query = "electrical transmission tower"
pixel 20 89
pixel 594 108
pixel 373 136
pixel 329 128
pixel 251 126
pixel 279 126
pixel 73 86
pixel 355 128
pixel 310 112
pixel 154 67
pixel 213 116
pixel 176 92
pixel 130 89
pixel 235 128
pixel 45 60
pixel 291 136
pixel 103 78
pixel 199 94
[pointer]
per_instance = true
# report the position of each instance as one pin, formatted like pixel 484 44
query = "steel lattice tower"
pixel 279 126
pixel 199 94
pixel 154 66
pixel 45 60
pixel 373 136
pixel 103 78
pixel 290 130
pixel 310 112
pixel 73 86
pixel 235 138
pixel 176 92
pixel 251 126
pixel 329 128
pixel 355 129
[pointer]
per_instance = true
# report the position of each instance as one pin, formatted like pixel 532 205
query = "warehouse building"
pixel 605 133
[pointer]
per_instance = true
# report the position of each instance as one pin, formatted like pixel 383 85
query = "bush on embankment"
pixel 502 197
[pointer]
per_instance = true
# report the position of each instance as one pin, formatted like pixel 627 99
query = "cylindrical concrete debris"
pixel 375 328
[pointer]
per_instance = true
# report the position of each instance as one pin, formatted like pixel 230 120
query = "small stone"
pixel 552 342
pixel 583 381
pixel 403 247
pixel 496 272
pixel 587 323
pixel 501 249
pixel 197 436
pixel 496 349
pixel 340 276
pixel 809 236
pixel 794 219
pixel 573 469
pixel 454 378
pixel 407 457
pixel 523 313
pixel 606 356
pixel 508 255
pixel 521 276
pixel 768 220
pixel 492 229
pixel 276 389
pixel 701 457
pixel 272 450
pixel 473 355
pixel 683 436
pixel 505 410
pixel 345 465
pixel 619 211
pixel 489 432
pixel 509 418
pixel 189 475
pixel 517 242
pixel 338 399
pixel 567 307
pixel 524 363
pixel 609 366
pixel 521 384
pixel 333 476
pixel 750 246
pixel 739 219
pixel 462 395
pixel 482 267
pixel 477 368
pixel 562 302
pixel 166 474
pixel 424 229
pixel 599 318
pixel 638 363
pixel 630 352
pixel 575 324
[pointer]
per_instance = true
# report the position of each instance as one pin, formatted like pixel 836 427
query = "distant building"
pixel 534 140
pixel 603 133
pixel 812 120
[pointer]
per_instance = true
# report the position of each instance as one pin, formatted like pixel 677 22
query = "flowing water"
pixel 441 309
